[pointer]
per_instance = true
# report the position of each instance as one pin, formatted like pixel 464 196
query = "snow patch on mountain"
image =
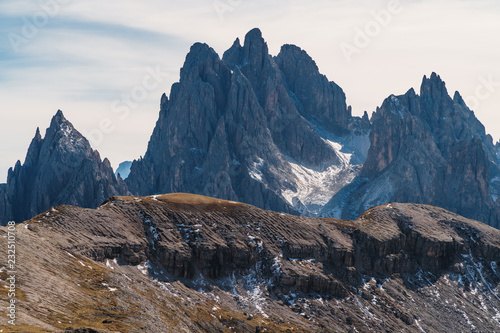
pixel 345 158
pixel 66 129
pixel 354 145
pixel 256 169
pixel 315 187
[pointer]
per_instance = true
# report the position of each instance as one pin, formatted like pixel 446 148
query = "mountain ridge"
pixel 200 264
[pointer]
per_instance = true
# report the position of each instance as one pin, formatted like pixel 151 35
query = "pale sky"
pixel 86 57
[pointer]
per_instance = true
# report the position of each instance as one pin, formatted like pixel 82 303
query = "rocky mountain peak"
pixel 300 56
pixel 33 150
pixel 433 86
pixel 163 102
pixel 421 148
pixel 60 123
pixel 253 54
pixel 254 36
pixel 411 92
pixel 63 135
pixel 38 136
pixel 237 42
pixel 60 168
pixel 106 162
pixel 201 61
pixel 457 98
pixel 255 48
pixel 320 101
pixel 233 128
pixel 58 118
pixel 435 98
pixel 365 117
pixel 433 92
pixel 60 127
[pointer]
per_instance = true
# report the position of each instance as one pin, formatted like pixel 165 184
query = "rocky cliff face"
pixel 426 148
pixel 240 128
pixel 319 100
pixel 189 263
pixel 60 168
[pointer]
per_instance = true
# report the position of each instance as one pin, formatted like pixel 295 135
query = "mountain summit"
pixel 249 127
pixel 275 133
pixel 426 149
pixel 60 168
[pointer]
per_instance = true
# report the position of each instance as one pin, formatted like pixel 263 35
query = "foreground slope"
pixel 188 263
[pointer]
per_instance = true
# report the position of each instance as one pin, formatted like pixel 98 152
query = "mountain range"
pixel 273 132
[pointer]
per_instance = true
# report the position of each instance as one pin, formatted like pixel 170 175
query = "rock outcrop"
pixel 426 148
pixel 186 262
pixel 60 168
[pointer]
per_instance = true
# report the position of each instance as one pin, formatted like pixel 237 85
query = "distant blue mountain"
pixel 123 169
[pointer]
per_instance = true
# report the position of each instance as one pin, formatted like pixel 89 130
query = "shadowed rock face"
pixel 193 263
pixel 427 149
pixel 60 168
pixel 210 136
